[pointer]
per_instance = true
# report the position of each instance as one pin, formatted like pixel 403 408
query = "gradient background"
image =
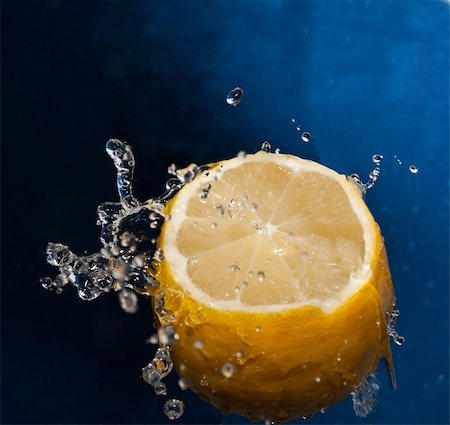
pixel 363 77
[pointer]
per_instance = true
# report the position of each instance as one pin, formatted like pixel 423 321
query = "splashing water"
pixel 126 260
pixel 365 396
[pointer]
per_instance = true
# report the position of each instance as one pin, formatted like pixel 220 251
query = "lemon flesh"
pixel 274 264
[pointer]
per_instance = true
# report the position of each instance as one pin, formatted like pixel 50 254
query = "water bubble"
pixel 227 370
pixel 306 137
pixel 377 158
pixel 160 388
pixel 167 335
pixel 173 409
pixel 198 344
pixel 413 169
pixel 128 301
pixel 182 384
pixel 266 147
pixel 261 276
pixel 253 207
pixel 234 97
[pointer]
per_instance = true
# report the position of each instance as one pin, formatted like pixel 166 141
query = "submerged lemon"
pixel 275 278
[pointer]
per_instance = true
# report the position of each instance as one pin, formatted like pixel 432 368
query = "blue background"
pixel 363 77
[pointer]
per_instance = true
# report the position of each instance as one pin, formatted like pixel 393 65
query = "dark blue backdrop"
pixel 363 77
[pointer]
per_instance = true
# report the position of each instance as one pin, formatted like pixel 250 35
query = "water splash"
pixel 365 396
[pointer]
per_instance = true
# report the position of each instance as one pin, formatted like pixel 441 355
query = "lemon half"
pixel 276 279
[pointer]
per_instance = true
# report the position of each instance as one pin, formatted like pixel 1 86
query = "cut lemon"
pixel 276 280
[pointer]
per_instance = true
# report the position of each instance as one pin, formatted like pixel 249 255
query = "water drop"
pixel 159 255
pixel 198 344
pixel 298 128
pixel 128 301
pixel 241 154
pixel 292 119
pixel 317 378
pixel 258 329
pixel 261 276
pixel 266 147
pixel 153 339
pixel 227 370
pixel 182 384
pixel 173 409
pixel 377 158
pixel 160 388
pixel 213 225
pixel 306 137
pixel 167 335
pixel 204 382
pixel 204 193
pixel 413 169
pixel 277 151
pixel 192 260
pixel 46 282
pixel 234 97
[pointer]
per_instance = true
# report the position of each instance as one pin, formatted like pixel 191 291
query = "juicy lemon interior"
pixel 241 240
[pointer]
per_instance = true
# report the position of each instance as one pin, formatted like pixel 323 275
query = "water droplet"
pixel 152 339
pixel 182 384
pixel 261 276
pixel 258 329
pixel 204 193
pixel 338 357
pixel 292 119
pixel 198 344
pixel 150 374
pixel 399 340
pixel 277 151
pixel 167 335
pixel 241 154
pixel 298 128
pixel 306 137
pixel 377 158
pixel 234 97
pixel 173 409
pixel 266 147
pixel 413 169
pixel 227 370
pixel 238 354
pixel 128 301
pixel 220 210
pixel 213 225
pixel 204 382
pixel 192 260
pixel 317 378
pixel 46 282
pixel 160 388
pixel 235 267
pixel 253 207
pixel 159 255
pixel 399 161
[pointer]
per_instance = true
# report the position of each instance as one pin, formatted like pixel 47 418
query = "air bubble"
pixel 173 409
pixel 413 169
pixel 234 97
pixel 306 137
pixel 261 276
pixel 227 370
